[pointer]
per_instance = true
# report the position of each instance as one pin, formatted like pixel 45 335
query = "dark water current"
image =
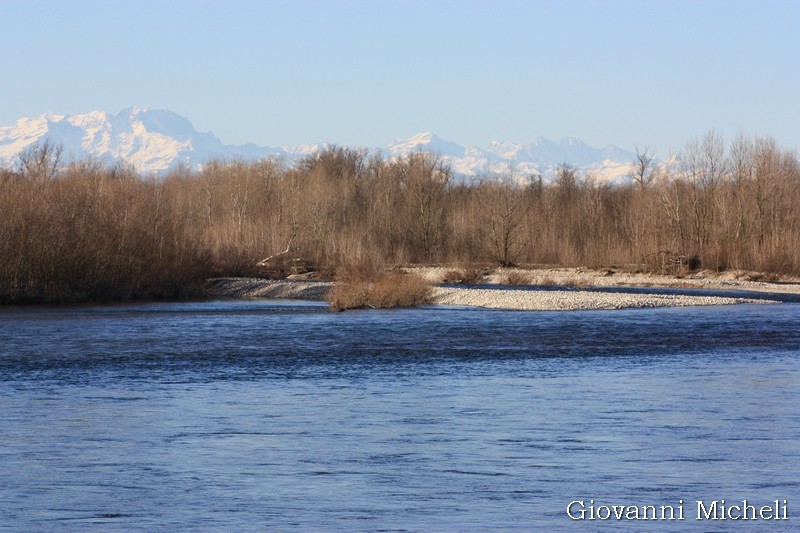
pixel 275 416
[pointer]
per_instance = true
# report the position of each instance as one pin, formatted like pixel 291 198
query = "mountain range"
pixel 156 141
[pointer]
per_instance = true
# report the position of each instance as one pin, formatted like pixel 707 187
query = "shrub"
pixel 578 283
pixel 473 276
pixel 400 290
pixel 765 277
pixel 350 295
pixel 517 278
pixel 470 276
pixel 390 290
pixel 453 276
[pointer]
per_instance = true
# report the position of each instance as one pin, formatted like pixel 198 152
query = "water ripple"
pixel 252 416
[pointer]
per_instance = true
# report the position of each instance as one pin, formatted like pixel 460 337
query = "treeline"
pixel 86 231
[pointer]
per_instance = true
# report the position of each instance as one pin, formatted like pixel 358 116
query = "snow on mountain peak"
pixel 135 110
pixel 505 149
pixel 154 141
pixel 157 140
pixel 424 138
pixel 429 142
pixel 420 139
pixel 52 117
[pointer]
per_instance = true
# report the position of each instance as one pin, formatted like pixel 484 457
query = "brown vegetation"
pixel 401 290
pixel 466 276
pixel 85 231
pixel 454 276
pixel 389 290
pixel 95 234
pixel 578 283
pixel 517 278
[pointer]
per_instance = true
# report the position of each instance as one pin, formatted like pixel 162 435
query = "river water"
pixel 283 416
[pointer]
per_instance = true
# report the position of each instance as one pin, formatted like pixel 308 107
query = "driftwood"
pixel 281 265
pixel 265 262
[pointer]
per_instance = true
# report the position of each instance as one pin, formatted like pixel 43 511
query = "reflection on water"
pixel 252 416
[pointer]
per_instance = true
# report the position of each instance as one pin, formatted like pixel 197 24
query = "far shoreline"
pixel 568 289
pixel 546 288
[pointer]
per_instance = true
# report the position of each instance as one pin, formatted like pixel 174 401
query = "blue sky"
pixel 647 72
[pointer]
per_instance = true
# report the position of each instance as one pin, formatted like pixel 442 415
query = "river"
pixel 255 415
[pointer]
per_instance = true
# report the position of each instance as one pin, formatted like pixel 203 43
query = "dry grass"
pixel 350 295
pixel 765 277
pixel 400 290
pixel 517 278
pixel 474 276
pixel 390 290
pixel 578 283
pixel 466 276
pixel 453 276
pixel 357 273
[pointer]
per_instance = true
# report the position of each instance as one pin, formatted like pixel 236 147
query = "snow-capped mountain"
pixel 427 141
pixel 152 140
pixel 156 141
pixel 540 157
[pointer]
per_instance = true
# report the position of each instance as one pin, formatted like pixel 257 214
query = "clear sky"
pixel 363 73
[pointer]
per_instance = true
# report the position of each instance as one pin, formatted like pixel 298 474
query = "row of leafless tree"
pixel 89 231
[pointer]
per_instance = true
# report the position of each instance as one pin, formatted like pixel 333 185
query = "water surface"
pixel 259 415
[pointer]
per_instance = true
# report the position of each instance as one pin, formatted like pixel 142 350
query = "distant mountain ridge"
pixel 156 141
pixel 153 141
pixel 540 157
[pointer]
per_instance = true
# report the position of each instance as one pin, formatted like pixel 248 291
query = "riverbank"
pixel 571 300
pixel 266 288
pixel 567 289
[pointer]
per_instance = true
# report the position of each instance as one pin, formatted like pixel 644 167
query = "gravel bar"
pixel 551 300
pixel 265 288
pixel 571 300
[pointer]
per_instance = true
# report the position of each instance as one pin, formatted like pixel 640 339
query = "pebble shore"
pixel 550 300
pixel 570 300
pixel 265 288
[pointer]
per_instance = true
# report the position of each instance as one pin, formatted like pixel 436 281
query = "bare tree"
pixel 503 218
pixel 567 178
pixel 39 162
pixel 643 172
pixel 426 179
pixel 704 169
